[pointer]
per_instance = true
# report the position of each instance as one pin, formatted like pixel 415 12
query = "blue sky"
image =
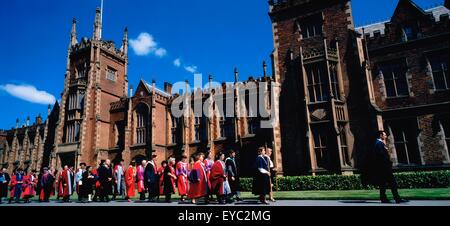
pixel 208 36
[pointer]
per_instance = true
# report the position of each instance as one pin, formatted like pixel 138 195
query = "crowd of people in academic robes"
pixel 207 178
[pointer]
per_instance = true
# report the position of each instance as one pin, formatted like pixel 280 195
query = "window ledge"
pixel 220 139
pixel 195 142
pixel 318 102
pixel 138 145
pixel 313 37
pixel 249 136
pixel 441 90
pixel 397 97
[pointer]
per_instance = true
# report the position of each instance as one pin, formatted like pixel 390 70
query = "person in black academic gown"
pixel 105 176
pixel 151 179
pixel 261 180
pixel 377 170
pixel 4 182
pixel 233 176
pixel 88 180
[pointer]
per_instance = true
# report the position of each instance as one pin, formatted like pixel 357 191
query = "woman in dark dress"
pixel 88 181
pixel 169 179
pixel 261 181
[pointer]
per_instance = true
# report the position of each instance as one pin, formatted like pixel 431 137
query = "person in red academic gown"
pixel 29 186
pixel 130 175
pixel 182 179
pixel 96 183
pixel 169 178
pixel 161 177
pixel 198 187
pixel 45 185
pixel 66 182
pixel 218 178
pixel 16 185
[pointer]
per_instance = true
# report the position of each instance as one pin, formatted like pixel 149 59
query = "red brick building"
pixel 409 58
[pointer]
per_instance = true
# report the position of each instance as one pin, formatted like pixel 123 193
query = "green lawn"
pixel 412 194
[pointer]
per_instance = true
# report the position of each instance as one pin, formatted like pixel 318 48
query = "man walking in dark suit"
pixel 378 170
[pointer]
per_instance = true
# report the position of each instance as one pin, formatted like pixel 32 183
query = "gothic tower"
pixel 313 61
pixel 96 76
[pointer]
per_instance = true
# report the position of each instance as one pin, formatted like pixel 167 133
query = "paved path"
pixel 248 203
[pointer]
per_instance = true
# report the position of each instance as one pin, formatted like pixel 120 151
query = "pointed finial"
pixel 131 90
pixel 73 33
pixel 125 42
pixel 236 75
pixel 265 68
pixel 98 24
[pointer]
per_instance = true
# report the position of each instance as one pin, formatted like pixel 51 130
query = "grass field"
pixel 411 194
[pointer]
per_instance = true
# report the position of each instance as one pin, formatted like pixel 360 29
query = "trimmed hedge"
pixel 410 180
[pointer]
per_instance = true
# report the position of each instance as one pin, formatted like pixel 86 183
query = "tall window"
pixel 334 80
pixel 441 71
pixel 317 82
pixel 142 114
pixel 72 101
pixel 446 126
pixel 174 130
pixel 226 127
pixel 73 132
pixel 312 26
pixel 111 74
pixel 81 71
pixel 405 141
pixel 344 147
pixel 320 146
pixel 394 74
pixel 80 101
pixel 197 128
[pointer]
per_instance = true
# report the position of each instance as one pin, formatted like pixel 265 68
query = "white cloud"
pixel 160 52
pixel 177 62
pixel 191 68
pixel 29 93
pixel 145 44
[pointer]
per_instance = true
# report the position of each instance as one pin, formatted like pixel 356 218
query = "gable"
pixel 407 10
pixel 141 89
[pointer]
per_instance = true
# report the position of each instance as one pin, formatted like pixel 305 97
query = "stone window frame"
pixel 445 140
pixel 312 84
pixel 81 71
pixel 392 145
pixel 321 145
pixel 197 129
pixel 311 21
pixel 430 73
pixel 381 80
pixel 344 147
pixel 111 74
pixel 334 80
pixel 141 124
pixel 174 128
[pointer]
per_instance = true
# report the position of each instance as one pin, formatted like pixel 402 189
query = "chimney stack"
pixel 167 87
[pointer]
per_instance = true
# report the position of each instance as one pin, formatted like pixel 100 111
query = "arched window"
pixel 142 115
